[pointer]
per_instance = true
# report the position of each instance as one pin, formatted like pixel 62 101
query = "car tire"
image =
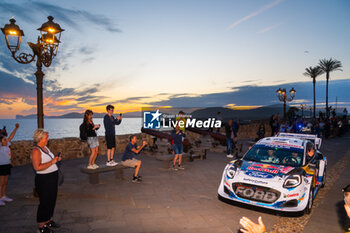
pixel 324 178
pixel 309 202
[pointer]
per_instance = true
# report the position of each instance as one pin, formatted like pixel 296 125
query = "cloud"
pixel 255 13
pixel 267 29
pixel 68 16
pixel 261 95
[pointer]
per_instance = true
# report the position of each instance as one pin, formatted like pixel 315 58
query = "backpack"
pixel 83 132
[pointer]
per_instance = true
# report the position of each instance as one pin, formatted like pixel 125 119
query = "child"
pixel 5 165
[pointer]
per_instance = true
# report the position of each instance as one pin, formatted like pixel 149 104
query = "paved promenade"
pixel 166 201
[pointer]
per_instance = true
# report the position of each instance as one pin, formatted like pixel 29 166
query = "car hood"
pixel 263 170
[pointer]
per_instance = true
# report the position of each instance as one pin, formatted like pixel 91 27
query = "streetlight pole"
pixel 44 51
pixel 302 107
pixel 282 96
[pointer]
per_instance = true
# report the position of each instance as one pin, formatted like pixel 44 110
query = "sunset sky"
pixel 176 53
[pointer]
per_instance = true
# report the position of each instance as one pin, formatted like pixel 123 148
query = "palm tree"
pixel 313 72
pixel 328 66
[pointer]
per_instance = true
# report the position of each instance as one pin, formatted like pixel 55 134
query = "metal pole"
pixel 284 110
pixel 39 88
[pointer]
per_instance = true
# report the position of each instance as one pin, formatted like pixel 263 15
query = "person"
pixel 346 192
pixel 128 159
pixel 250 227
pixel 310 152
pixel 109 123
pixel 221 118
pixel 272 125
pixel 229 138
pixel 5 165
pixel 261 132
pixel 181 121
pixel 294 159
pixel 272 156
pixel 46 180
pixel 92 139
pixel 177 137
pixel 235 128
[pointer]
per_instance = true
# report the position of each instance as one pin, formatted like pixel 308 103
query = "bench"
pixel 94 173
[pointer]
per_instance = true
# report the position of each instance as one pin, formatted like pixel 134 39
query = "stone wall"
pixel 72 148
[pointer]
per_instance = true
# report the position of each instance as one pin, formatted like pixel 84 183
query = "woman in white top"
pixel 46 180
pixel 5 164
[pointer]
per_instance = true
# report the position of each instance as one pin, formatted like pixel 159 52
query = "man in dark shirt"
pixel 109 123
pixel 128 159
pixel 177 136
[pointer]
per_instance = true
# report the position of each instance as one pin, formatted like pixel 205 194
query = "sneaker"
pixel 175 168
pixel 91 167
pixel 53 225
pixel 113 163
pixel 2 203
pixel 6 198
pixel 135 180
pixel 139 177
pixel 45 229
pixel 181 168
pixel 95 165
pixel 109 164
pixel 229 156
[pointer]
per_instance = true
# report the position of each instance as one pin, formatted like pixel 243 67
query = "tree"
pixel 328 66
pixel 313 72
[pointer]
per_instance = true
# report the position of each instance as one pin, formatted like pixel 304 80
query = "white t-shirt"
pixel 47 158
pixel 5 154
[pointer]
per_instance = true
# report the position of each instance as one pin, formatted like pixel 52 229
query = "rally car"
pixel 277 173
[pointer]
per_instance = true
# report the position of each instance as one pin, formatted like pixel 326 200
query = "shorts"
pixel 110 141
pixel 5 169
pixel 92 142
pixel 130 162
pixel 178 149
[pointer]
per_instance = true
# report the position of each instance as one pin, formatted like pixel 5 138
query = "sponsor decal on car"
pixel 257 194
pixel 261 169
pixel 254 181
pixel 285 170
pixel 261 175
pixel 291 195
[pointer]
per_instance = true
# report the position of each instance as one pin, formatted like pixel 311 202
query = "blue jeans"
pixel 229 143
pixel 178 148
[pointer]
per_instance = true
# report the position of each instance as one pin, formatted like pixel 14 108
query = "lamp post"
pixel 302 107
pixel 282 96
pixel 44 51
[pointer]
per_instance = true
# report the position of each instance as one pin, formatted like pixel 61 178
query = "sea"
pixel 66 127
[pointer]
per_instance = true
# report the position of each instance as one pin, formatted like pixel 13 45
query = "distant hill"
pixel 80 115
pixel 252 114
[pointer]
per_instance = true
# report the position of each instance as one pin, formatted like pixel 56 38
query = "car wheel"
pixel 324 177
pixel 310 202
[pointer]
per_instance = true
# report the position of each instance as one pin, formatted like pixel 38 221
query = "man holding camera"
pixel 128 159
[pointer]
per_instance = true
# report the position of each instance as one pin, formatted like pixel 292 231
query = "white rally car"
pixel 277 173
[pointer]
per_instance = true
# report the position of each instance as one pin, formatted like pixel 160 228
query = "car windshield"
pixel 275 155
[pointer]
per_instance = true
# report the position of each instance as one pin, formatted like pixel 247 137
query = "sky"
pixel 183 53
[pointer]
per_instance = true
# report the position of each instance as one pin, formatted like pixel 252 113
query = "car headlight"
pixel 292 181
pixel 230 172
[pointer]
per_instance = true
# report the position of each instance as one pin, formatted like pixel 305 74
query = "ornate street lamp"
pixel 282 96
pixel 44 51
